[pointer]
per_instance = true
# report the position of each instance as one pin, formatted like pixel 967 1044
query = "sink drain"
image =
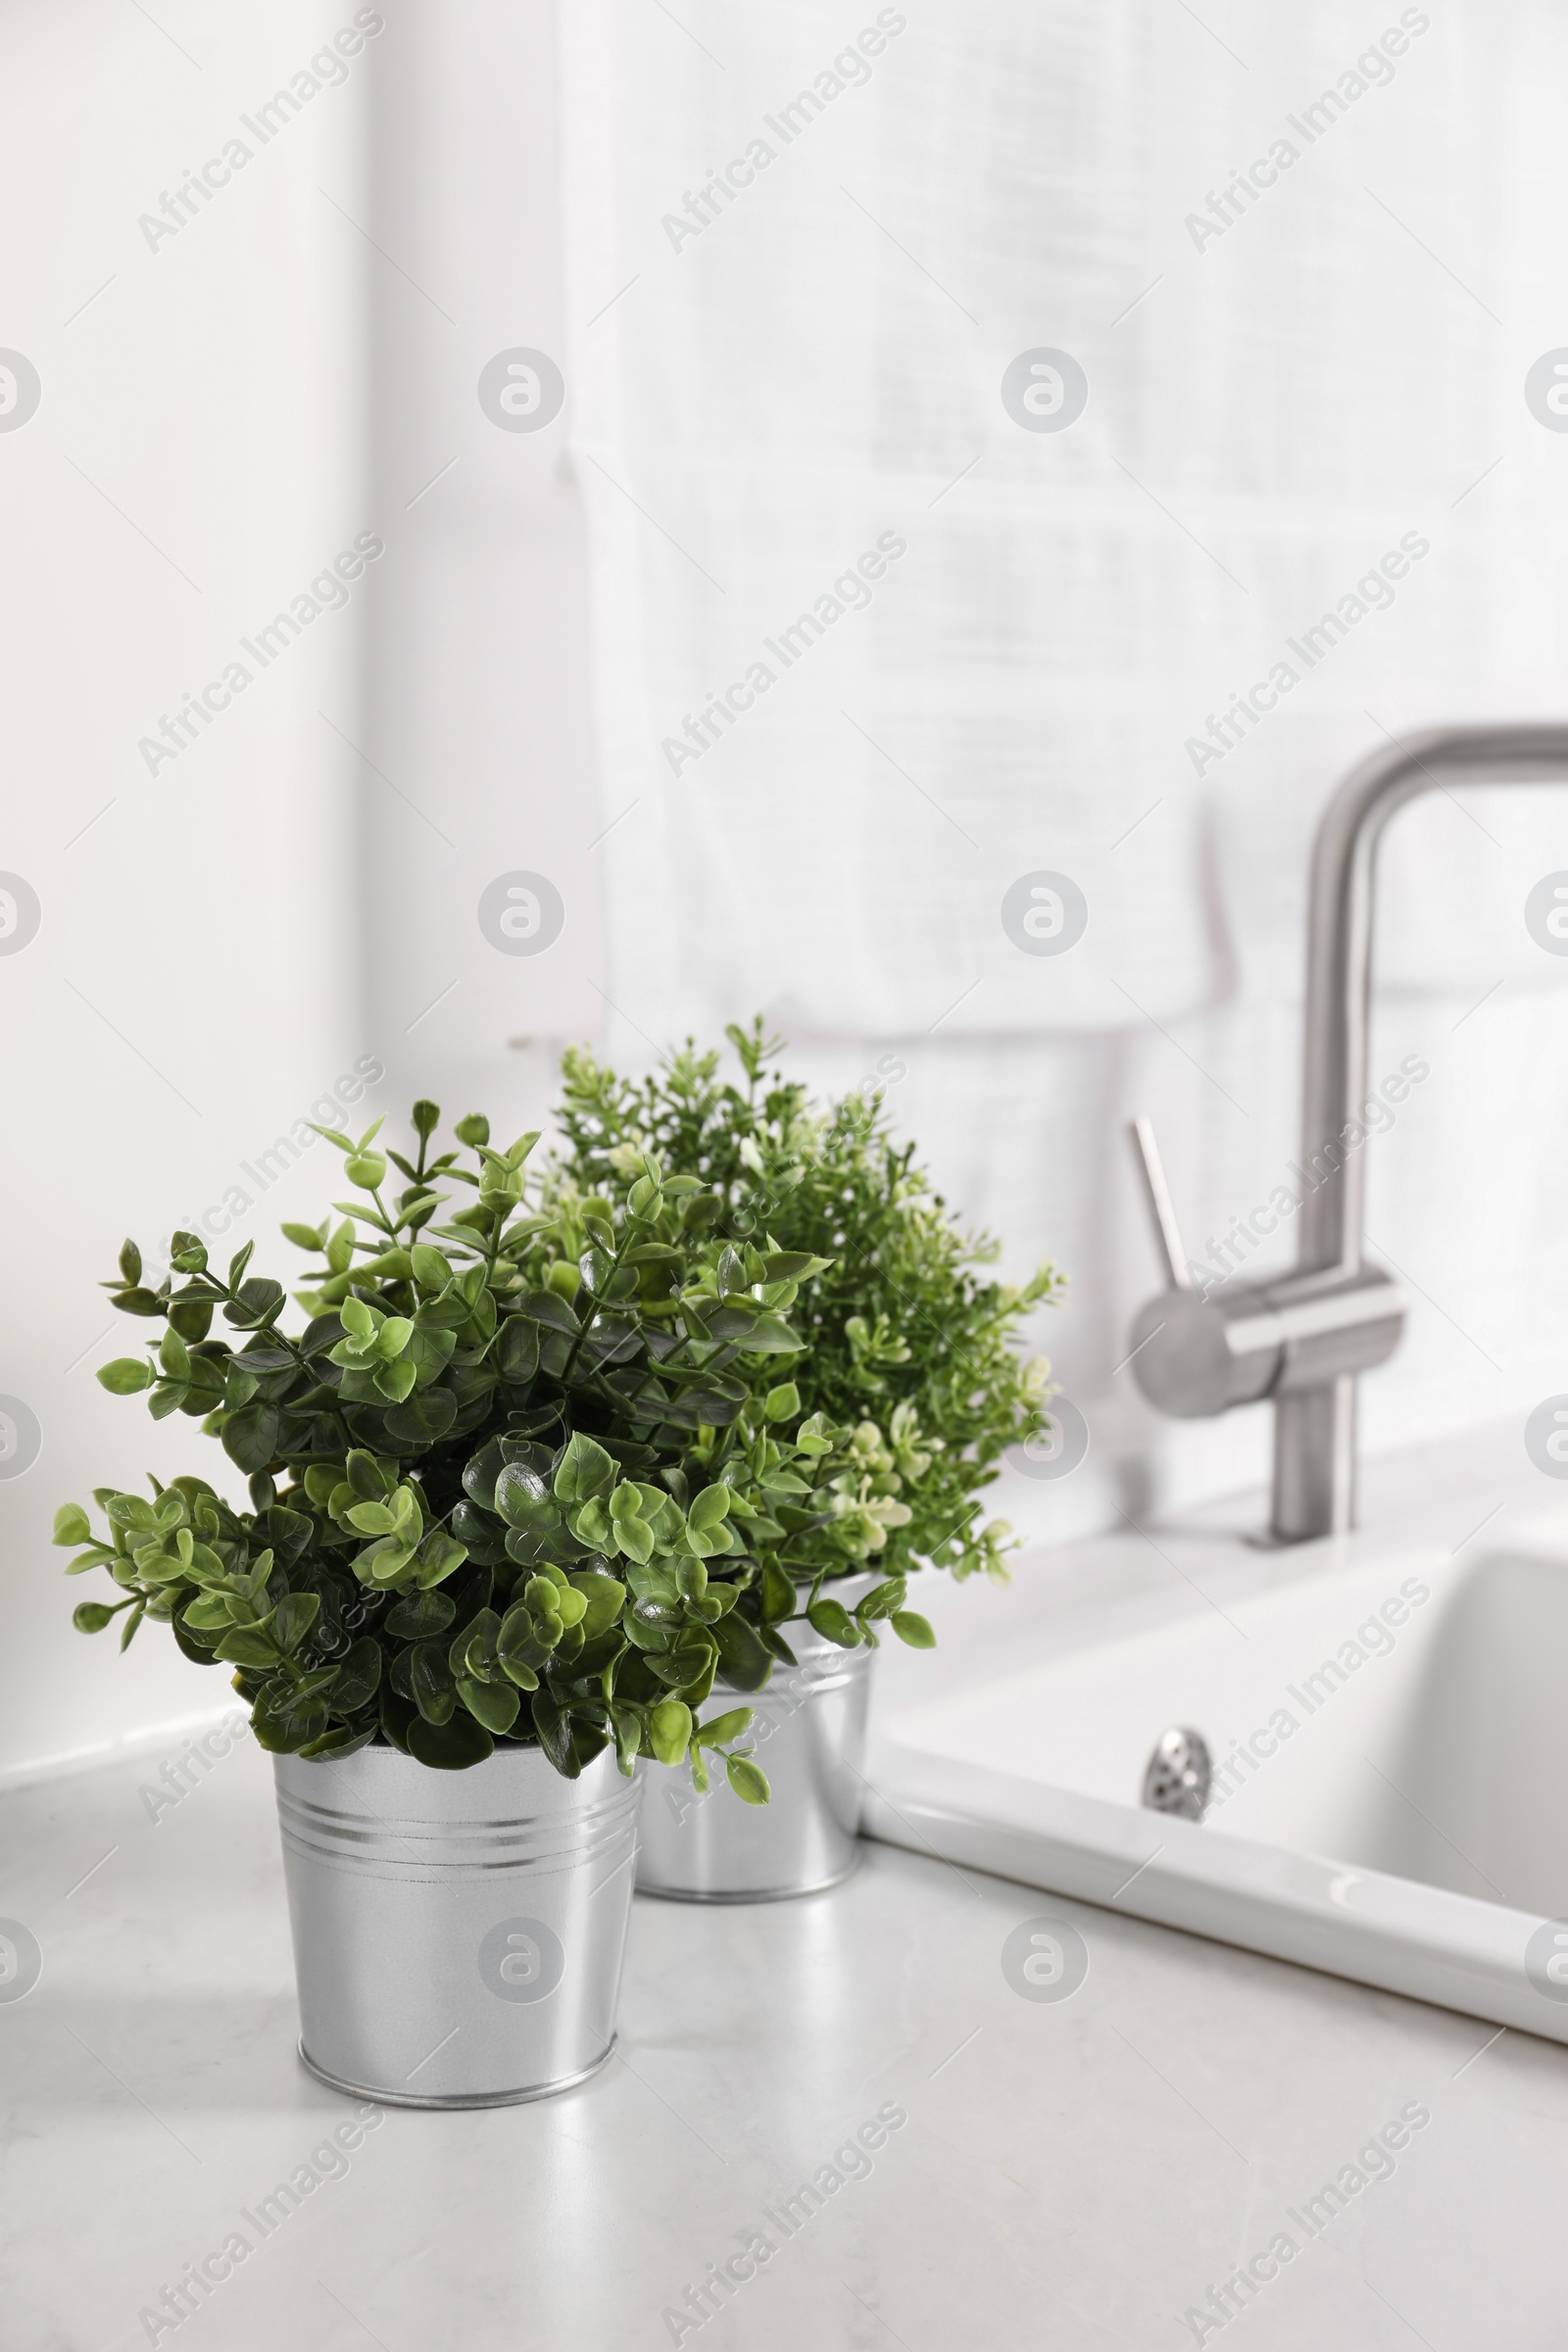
pixel 1179 1774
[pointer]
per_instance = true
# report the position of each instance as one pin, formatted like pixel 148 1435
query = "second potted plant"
pixel 875 1450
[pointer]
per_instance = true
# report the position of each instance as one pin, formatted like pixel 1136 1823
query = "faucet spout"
pixel 1315 1431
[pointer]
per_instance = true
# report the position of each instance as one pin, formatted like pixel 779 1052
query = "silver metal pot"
pixel 809 1729
pixel 457 1936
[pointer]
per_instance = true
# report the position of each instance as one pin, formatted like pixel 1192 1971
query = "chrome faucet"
pixel 1302 1340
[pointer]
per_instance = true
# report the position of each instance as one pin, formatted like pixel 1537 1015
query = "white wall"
pixel 196 459
pixel 477 684
pixel 1271 408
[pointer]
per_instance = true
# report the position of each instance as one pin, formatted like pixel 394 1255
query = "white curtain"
pixel 804 248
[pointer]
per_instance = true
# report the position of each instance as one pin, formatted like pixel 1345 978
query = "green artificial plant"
pixel 511 1482
pixel 911 1377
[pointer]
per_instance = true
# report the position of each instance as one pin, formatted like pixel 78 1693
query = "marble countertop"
pixel 1080 2174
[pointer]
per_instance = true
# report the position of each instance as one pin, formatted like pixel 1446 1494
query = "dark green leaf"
pixel 494 1704
pixel 136 1302
pixel 778 1597
pixel 341 1741
pixel 421 1616
pixel 551 1722
pixel 250 1435
pixel 424 1417
pixel 248 1645
pixel 296 1613
pixel 832 1620
pixel 746 1662
pixel 431 1680
pixel 359 1676
pixel 551 1310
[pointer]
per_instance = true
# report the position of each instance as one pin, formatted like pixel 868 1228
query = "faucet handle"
pixel 1167 1239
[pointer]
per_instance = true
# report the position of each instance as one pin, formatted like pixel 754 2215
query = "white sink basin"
pixel 1387 1719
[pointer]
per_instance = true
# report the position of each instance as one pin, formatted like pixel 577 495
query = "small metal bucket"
pixel 808 1729
pixel 457 1936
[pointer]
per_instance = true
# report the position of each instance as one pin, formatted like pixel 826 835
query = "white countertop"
pixel 1078 2174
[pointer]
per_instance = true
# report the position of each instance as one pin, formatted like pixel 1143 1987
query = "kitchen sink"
pixel 1384 1713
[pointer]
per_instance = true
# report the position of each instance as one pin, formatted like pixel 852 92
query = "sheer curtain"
pixel 878 639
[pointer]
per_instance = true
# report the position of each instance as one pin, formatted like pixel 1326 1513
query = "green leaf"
pixel 249 1646
pixel 585 1470
pixel 130 1263
pixel 258 1302
pixel 832 1620
pixel 250 1435
pixel 313 1686
pixel 913 1630
pixel 451 1747
pixel 359 1676
pixel 370 1519
pixel 126 1375
pixel 747 1781
pixel 430 1268
pixel 669 1729
pixel 473 1653
pixel 420 1616
pixel 517 1348
pixel 691 1578
pixel 208 1616
pixel 435 1693
pixel 605 1596
pixel 721 1728
pixel 91 1616
pixel 779 1594
pixel 783 1402
pixel 524 1500
pixel 551 1310
pixel 296 1613
pixel 494 1704
pixel 303 1237
pixel 138 1302
pixel 365 1475
pixel 553 1726
pixel 769 1336
pixel 746 1664
pixel 341 1741
pixel 72 1525
pixel 438 1556
pixel 174 1356
pixel 473 1130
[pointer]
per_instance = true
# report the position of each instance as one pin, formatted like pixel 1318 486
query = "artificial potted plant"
pixel 483 1572
pixel 889 1427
